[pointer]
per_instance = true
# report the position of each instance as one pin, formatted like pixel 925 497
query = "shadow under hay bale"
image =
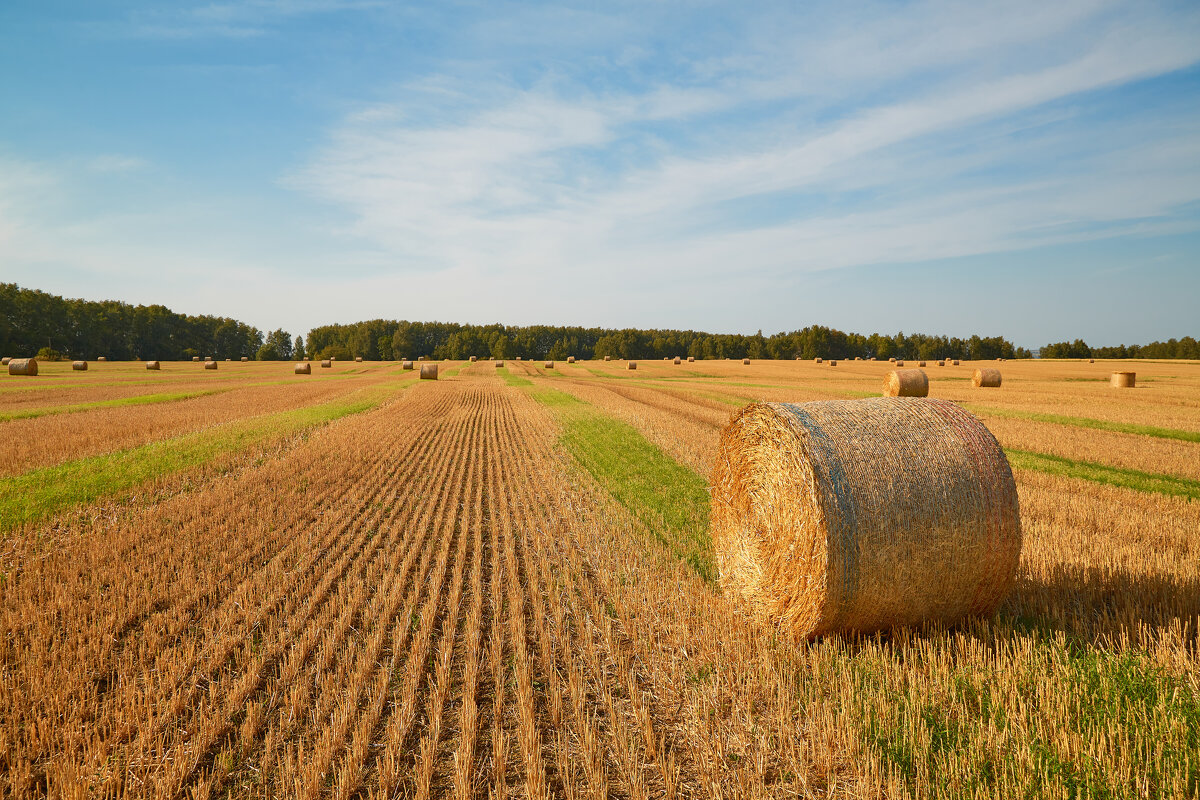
pixel 862 515
pixel 906 383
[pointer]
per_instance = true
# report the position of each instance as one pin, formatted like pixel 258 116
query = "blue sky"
pixel 1025 169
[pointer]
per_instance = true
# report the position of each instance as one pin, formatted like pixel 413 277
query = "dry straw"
pixel 499 364
pixel 358 359
pixel 549 365
pixel 195 359
pixel 327 363
pixel 245 359
pixel 631 365
pixel 862 515
pixel 429 372
pixel 678 360
pixel 5 360
pixel 210 365
pixel 818 360
pixel 833 362
pixel 303 369
pixel 986 378
pixel 152 365
pixel 920 363
pixel 80 366
pixel 746 361
pixel 1123 380
pixel 23 366
pixel 691 359
pixel 906 383
pixel 406 364
pixel 570 359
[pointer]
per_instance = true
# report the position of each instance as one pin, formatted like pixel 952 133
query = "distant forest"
pixel 33 322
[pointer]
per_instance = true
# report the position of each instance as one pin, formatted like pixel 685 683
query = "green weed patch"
pixel 1100 473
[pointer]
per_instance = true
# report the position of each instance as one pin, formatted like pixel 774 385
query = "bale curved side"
pixel 406 364
pixel 631 365
pixel 906 383
pixel 1123 380
pixel 429 372
pixel 812 527
pixel 986 378
pixel 23 366
pixel 153 365
pixel 327 363
pixel 303 369
pixel 81 366
pixel 210 365
pixel 549 365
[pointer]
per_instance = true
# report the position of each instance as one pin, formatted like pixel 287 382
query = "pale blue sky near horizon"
pixel 1022 169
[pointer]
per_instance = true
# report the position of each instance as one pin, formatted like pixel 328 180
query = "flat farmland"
pixel 250 583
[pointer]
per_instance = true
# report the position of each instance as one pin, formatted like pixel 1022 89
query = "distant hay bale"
pixel 499 364
pixel 303 368
pixel 818 360
pixel 691 359
pixel 833 362
pixel 570 359
pixel 746 361
pixel 863 515
pixel 245 358
pixel 195 359
pixel 23 366
pixel 608 358
pixel 420 358
pixel 406 364
pixel 986 378
pixel 80 366
pixel 920 363
pixel 941 363
pixel 678 360
pixel 858 358
pixel 893 360
pixel 954 362
pixel 472 359
pixel 631 365
pixel 4 361
pixel 358 359
pixel 429 372
pixel 1123 380
pixel 906 383
pixel 210 365
pixel 898 363
pixel 549 365
pixel 1091 361
pixel 326 363
pixel 152 365
pixel 102 358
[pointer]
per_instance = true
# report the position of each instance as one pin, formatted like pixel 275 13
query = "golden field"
pixel 245 582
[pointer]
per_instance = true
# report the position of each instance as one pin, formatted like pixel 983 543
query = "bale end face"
pixel 210 365
pixel 906 383
pixel 818 360
pixel 327 363
pixel 832 362
pixel 898 363
pixel 195 359
pixel 81 366
pixel 4 361
pixel 472 359
pixel 941 363
pixel 406 364
pixel 303 369
pixel 678 360
pixel 862 515
pixel 920 363
pixel 23 366
pixel 1123 380
pixel 954 362
pixel 549 365
pixel 152 365
pixel 746 362
pixel 429 372
pixel 986 378
pixel 631 365
pixel 608 358
pixel 691 359
pixel 499 364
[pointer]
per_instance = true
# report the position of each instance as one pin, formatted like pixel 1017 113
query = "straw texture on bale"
pixel 81 366
pixel 196 359
pixel 245 358
pixel 1123 380
pixel 818 360
pixel 987 378
pixel 832 362
pixel 746 361
pixel 152 365
pixel 102 358
pixel 210 365
pixel 920 363
pixel 954 362
pixel 631 365
pixel 549 365
pixel 429 372
pixel 499 364
pixel 22 366
pixel 906 383
pixel 691 359
pixel 678 360
pixel 5 360
pixel 327 363
pixel 862 515
pixel 472 359
pixel 406 364
pixel 303 369
pixel 358 359
pixel 570 359
pixel 608 358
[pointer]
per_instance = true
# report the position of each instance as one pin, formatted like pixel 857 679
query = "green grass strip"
pixel 667 497
pixel 140 400
pixel 40 493
pixel 1088 422
pixel 512 380
pixel 1099 473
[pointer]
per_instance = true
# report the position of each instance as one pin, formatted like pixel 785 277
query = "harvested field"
pixel 500 584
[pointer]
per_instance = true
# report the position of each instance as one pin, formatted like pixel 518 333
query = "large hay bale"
pixel 862 515
pixel 906 383
pixel 406 364
pixel 210 365
pixel 549 365
pixel 327 363
pixel 152 365
pixel 23 366
pixel 303 369
pixel 79 366
pixel 631 365
pixel 986 378
pixel 941 363
pixel 678 360
pixel 1123 380
pixel 746 361
pixel 429 372
pixel 954 362
pixel 245 359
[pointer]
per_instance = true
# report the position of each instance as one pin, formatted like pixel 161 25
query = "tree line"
pixel 1187 347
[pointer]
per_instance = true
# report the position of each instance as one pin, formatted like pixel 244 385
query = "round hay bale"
pixel 862 515
pixel 152 365
pixel 898 363
pixel 472 359
pixel 691 359
pixel 406 364
pixel 79 366
pixel 102 358
pixel 678 360
pixel 858 358
pixel 303 368
pixel 195 359
pixel 920 363
pixel 420 358
pixel 358 359
pixel 327 363
pixel 631 365
pixel 429 372
pixel 954 362
pixel 245 359
pixel 1123 380
pixel 986 378
pixel 941 363
pixel 499 364
pixel 549 365
pixel 570 359
pixel 229 359
pixel 210 365
pixel 1091 361
pixel 893 359
pixel 23 366
pixel 818 360
pixel 746 361
pixel 4 361
pixel 906 383
pixel 833 362
pixel 608 358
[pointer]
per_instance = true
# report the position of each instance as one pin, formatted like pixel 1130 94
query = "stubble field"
pixel 245 582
